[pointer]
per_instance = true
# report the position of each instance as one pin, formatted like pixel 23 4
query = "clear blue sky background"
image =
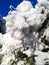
pixel 4 5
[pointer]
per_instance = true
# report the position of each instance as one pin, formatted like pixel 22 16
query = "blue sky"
pixel 4 5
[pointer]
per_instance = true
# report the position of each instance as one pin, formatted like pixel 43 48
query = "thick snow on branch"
pixel 22 35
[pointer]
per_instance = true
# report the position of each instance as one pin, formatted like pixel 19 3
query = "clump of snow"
pixel 40 59
pixel 24 6
pixel 28 52
pixel 47 33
